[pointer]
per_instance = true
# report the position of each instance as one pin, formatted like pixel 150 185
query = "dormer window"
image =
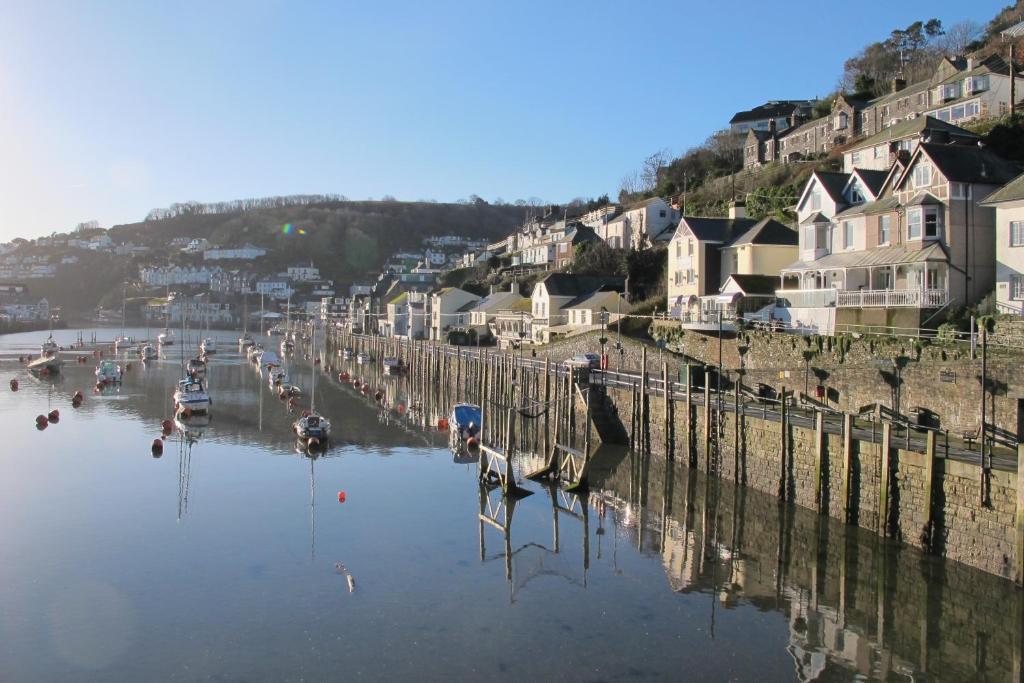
pixel 922 175
pixel 856 196
pixel 977 83
pixel 841 121
pixel 950 91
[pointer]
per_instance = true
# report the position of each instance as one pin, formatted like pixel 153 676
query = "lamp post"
pixel 603 339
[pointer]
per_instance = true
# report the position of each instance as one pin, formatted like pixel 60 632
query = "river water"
pixel 230 556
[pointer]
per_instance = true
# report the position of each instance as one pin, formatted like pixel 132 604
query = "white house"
pixel 449 308
pixel 243 253
pixel 639 225
pixel 552 294
pixel 303 273
pixel 1008 201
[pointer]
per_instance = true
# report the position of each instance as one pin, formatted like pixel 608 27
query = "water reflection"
pixel 235 554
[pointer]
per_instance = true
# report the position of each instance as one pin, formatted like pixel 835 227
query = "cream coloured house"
pixel 1008 202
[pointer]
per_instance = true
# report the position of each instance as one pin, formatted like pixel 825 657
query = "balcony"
pixel 864 298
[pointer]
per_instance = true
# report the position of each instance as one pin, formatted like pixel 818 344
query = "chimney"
pixel 771 126
pixel 898 84
pixel 491 291
pixel 737 209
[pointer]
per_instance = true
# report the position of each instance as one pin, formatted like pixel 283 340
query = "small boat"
pixel 108 372
pixel 464 424
pixel 46 365
pixel 196 367
pixel 191 397
pixel 166 338
pixel 49 347
pixel 363 358
pixel 245 342
pixel 312 426
pixel 209 346
pixel 393 366
pixel 278 377
pixel 148 352
pixel 254 353
pixel 287 346
pixel 122 343
pixel 346 353
pixel 269 359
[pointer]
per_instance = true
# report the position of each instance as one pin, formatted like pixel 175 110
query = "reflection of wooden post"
pixel 883 482
pixel 547 404
pixel 707 421
pixel 847 463
pixel 736 431
pixel 819 459
pixel 690 459
pixel 644 417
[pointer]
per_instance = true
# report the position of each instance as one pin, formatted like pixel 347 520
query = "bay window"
pixel 923 223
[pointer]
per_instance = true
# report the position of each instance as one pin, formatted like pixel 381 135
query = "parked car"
pixel 585 360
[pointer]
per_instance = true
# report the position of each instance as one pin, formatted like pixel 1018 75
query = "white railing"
pixel 893 298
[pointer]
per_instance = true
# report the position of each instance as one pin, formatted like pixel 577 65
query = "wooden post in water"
pixel 547 403
pixel 736 431
pixel 644 416
pixel 707 420
pixel 782 444
pixel 883 482
pixel 847 463
pixel 667 421
pixel 929 476
pixel 819 460
pixel 690 457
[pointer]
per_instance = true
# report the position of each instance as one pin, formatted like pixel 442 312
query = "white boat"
pixel 209 346
pixel 393 366
pixel 148 352
pixel 122 343
pixel 276 331
pixel 245 342
pixel 49 347
pixel 108 372
pixel 46 365
pixel 166 338
pixel 363 358
pixel 254 353
pixel 196 367
pixel 191 396
pixel 312 428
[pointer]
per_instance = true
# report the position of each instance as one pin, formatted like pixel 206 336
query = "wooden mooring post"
pixel 928 534
pixel 667 417
pixel 707 420
pixel 884 479
pixel 847 463
pixel 1019 574
pixel 819 460
pixel 782 443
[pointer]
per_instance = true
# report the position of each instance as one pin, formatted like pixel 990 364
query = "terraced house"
pixel 894 248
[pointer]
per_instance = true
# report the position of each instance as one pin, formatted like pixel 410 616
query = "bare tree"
pixel 630 184
pixel 651 167
pixel 958 37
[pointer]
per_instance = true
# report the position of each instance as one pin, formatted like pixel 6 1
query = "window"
pixel 914 224
pixel 847 235
pixel 926 220
pixel 815 200
pixel 855 158
pixel 679 277
pixel 662 212
pixel 689 247
pixel 883 229
pixel 1017 233
pixel 951 91
pixel 877 152
pixel 922 175
pixel 841 121
pixel 1017 287
pixel 959 191
pixel 856 194
pixel 809 232
pixel 679 250
pixel 979 83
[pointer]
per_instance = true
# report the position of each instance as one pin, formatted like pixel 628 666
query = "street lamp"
pixel 603 339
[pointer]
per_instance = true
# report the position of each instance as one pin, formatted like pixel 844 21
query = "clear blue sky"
pixel 108 109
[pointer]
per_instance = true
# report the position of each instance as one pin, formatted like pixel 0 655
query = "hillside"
pixel 346 239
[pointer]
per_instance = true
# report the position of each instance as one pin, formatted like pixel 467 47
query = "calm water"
pixel 230 557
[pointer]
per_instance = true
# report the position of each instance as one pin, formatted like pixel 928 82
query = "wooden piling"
pixel 644 415
pixel 782 444
pixel 883 482
pixel 929 483
pixel 707 420
pixel 847 463
pixel 819 460
pixel 667 406
pixel 690 456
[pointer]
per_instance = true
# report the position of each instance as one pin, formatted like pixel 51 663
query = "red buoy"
pixel 54 415
pixel 14 385
pixel 442 424
pixel 400 408
pixel 157 448
pixel 167 426
pixel 41 421
pixel 341 496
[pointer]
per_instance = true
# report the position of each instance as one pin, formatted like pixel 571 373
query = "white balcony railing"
pixel 864 298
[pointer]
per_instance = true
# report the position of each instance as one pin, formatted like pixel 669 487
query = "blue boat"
pixel 465 421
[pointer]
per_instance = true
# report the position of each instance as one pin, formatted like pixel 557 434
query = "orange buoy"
pixel 54 415
pixel 14 385
pixel 341 496
pixel 400 408
pixel 157 448
pixel 442 424
pixel 167 426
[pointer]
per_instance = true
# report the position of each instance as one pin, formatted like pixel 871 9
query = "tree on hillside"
pixel 909 53
pixel 597 258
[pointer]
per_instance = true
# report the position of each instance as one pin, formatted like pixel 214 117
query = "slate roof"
pixel 969 164
pixel 875 180
pixel 565 284
pixel 818 217
pixel 1011 192
pixel 756 284
pixel 833 182
pixel 716 229
pixel 879 256
pixel 497 301
pixel 770 110
pixel 870 208
pixel 911 128
pixel 767 231
pixel 594 301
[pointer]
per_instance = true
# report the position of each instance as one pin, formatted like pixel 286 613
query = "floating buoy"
pixel 167 426
pixel 341 496
pixel 78 395
pixel 157 448
pixel 41 421
pixel 76 402
pixel 442 424
pixel 14 385
pixel 54 415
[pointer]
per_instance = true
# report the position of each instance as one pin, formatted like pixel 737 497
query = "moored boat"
pixel 464 425
pixel 393 366
pixel 346 353
pixel 148 352
pixel 108 372
pixel 166 338
pixel 46 365
pixel 196 367
pixel 191 397
pixel 49 347
pixel 245 342
pixel 209 346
